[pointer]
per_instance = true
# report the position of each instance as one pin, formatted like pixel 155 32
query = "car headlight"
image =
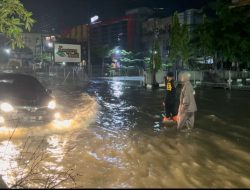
pixel 52 104
pixel 57 115
pixel 6 107
pixel 2 120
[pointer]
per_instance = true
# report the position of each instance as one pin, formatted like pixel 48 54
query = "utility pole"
pixel 155 52
pixel 89 30
pixel 53 38
pixel 89 55
pixel 93 20
pixel 41 48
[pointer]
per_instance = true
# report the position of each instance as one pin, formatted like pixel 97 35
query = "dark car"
pixel 23 99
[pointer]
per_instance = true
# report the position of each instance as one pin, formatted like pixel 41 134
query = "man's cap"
pixel 170 74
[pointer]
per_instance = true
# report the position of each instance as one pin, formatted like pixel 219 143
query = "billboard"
pixel 67 53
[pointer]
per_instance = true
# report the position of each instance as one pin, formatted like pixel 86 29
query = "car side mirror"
pixel 49 91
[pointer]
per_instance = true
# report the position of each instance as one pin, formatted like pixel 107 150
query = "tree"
pixel 46 56
pixel 184 45
pixel 202 42
pixel 14 19
pixel 179 42
pixel 155 60
pixel 174 39
pixel 227 35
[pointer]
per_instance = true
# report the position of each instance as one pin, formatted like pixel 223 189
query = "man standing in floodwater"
pixel 187 107
pixel 169 99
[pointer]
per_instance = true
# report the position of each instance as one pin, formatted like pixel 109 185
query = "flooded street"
pixel 111 136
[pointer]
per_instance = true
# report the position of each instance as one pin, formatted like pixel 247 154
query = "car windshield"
pixel 21 87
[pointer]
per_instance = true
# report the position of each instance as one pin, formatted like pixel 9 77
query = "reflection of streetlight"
pixel 7 51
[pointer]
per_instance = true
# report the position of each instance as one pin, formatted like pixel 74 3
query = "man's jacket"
pixel 187 101
pixel 170 91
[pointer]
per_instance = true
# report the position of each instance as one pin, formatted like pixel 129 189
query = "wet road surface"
pixel 111 136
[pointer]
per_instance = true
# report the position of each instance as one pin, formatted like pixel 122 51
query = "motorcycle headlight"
pixel 6 107
pixel 52 105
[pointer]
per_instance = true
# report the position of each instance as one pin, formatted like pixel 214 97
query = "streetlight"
pixel 50 44
pixel 50 41
pixel 92 21
pixel 7 51
pixel 117 52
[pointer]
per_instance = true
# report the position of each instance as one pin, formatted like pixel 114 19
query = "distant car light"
pixel 52 105
pixel 6 107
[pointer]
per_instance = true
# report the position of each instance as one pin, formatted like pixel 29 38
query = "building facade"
pixel 112 33
pixel 78 33
pixel 149 27
pixel 190 17
pixel 124 32
pixel 32 41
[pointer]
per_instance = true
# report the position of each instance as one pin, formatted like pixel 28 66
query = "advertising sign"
pixel 67 53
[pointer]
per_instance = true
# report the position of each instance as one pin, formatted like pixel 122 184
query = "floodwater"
pixel 111 136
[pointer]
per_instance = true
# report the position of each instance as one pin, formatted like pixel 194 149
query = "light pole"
pixel 51 44
pixel 42 48
pixel 92 21
pixel 89 64
pixel 155 54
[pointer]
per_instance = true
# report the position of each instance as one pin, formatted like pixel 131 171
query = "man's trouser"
pixel 186 119
pixel 170 109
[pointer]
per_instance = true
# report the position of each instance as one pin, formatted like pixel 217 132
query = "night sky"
pixel 62 14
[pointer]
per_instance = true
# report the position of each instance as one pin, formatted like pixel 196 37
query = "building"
pixel 78 33
pixel 32 41
pixel 22 55
pixel 148 28
pixel 239 3
pixel 190 17
pixel 139 15
pixel 125 31
pixel 39 46
pixel 112 32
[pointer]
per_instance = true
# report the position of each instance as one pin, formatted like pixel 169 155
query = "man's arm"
pixel 186 99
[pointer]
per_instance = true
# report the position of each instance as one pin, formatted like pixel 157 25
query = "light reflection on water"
pixel 8 153
pixel 118 141
pixel 117 88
